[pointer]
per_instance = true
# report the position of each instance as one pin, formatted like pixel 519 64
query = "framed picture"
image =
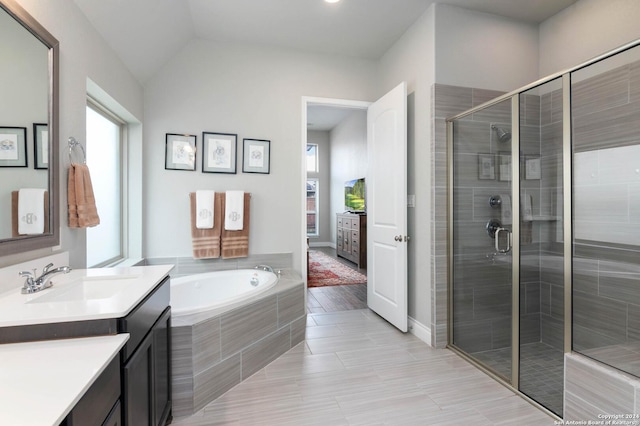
pixel 486 167
pixel 256 156
pixel 180 152
pixel 219 152
pixel 532 169
pixel 13 147
pixel 504 166
pixel 41 145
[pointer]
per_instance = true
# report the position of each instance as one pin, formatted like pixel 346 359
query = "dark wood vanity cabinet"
pixel 146 375
pixel 100 405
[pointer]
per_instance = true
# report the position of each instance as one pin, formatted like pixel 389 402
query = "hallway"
pixel 356 369
pixel 337 298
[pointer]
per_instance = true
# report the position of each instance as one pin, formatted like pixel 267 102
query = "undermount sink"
pixel 86 289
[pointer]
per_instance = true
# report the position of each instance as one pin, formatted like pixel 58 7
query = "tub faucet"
pixel 33 284
pixel 264 268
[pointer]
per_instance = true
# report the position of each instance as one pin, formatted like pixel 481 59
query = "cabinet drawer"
pixel 340 225
pixel 355 223
pixel 346 223
pixel 355 236
pixel 141 319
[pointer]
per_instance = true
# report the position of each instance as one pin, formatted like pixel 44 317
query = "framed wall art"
pixel 219 152
pixel 532 170
pixel 504 166
pixel 180 152
pixel 486 167
pixel 41 145
pixel 13 147
pixel 256 156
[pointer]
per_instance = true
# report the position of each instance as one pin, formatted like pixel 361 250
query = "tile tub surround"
pixel 190 266
pixel 214 351
pixel 593 390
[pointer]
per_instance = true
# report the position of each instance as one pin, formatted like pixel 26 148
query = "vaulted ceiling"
pixel 147 33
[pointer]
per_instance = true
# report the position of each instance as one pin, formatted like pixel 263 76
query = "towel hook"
pixel 73 143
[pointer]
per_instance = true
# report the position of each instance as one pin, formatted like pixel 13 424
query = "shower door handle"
pixel 509 240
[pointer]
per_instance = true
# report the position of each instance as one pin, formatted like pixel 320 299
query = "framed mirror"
pixel 28 132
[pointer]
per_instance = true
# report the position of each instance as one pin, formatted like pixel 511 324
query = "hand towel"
pixel 236 243
pixel 80 198
pixel 15 217
pixel 505 210
pixel 30 211
pixel 206 242
pixel 205 205
pixel 234 210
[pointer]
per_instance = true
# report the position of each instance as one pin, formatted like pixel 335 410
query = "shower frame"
pixel 567 215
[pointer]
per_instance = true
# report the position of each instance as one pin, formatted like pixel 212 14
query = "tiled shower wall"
pixel 606 288
pixel 483 300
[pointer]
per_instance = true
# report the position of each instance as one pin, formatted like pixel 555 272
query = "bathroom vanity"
pixel 94 349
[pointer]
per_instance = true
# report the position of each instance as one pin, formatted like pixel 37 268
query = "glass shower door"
pixel 481 252
pixel 541 291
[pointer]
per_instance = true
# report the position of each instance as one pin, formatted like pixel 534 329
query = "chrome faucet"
pixel 264 268
pixel 33 284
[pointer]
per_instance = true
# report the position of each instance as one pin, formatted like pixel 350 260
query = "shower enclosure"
pixel 544 226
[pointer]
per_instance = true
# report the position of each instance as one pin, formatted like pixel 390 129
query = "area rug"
pixel 326 271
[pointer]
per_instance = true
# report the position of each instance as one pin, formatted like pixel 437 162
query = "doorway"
pixel 334 144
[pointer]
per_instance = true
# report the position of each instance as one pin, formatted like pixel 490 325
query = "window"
pixel 312 158
pixel 104 158
pixel 312 207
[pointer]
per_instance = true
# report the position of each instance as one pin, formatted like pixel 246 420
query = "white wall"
pixel 348 159
pixel 255 92
pixel 83 55
pixel 321 138
pixel 475 49
pixel 411 60
pixel 585 30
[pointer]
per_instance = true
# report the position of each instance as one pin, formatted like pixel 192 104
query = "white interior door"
pixel 387 207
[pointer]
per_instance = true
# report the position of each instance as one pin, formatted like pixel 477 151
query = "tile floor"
pixel 541 371
pixel 356 369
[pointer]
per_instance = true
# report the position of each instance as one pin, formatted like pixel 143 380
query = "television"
pixel 355 196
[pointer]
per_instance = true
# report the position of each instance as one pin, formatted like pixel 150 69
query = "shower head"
pixel 503 135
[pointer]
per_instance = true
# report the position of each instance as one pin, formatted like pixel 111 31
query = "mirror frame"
pixel 33 242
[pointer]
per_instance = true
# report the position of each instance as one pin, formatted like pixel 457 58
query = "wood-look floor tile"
pixel 368 374
pixel 320 331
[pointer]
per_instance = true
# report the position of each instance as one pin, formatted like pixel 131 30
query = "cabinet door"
pixel 137 387
pixel 115 417
pixel 162 368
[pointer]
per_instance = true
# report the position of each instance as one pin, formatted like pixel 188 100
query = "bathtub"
pixel 203 292
pixel 218 343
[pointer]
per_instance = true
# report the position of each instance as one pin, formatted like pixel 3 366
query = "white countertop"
pixel 40 382
pixel 111 293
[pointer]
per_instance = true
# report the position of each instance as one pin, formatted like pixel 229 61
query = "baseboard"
pixel 419 330
pixel 321 244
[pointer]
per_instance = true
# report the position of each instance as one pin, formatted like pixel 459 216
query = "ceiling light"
pixel 332 1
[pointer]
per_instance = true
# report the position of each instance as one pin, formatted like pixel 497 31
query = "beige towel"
pixel 80 199
pixel 236 243
pixel 206 242
pixel 14 213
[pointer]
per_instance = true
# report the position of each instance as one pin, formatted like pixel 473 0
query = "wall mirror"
pixel 28 126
